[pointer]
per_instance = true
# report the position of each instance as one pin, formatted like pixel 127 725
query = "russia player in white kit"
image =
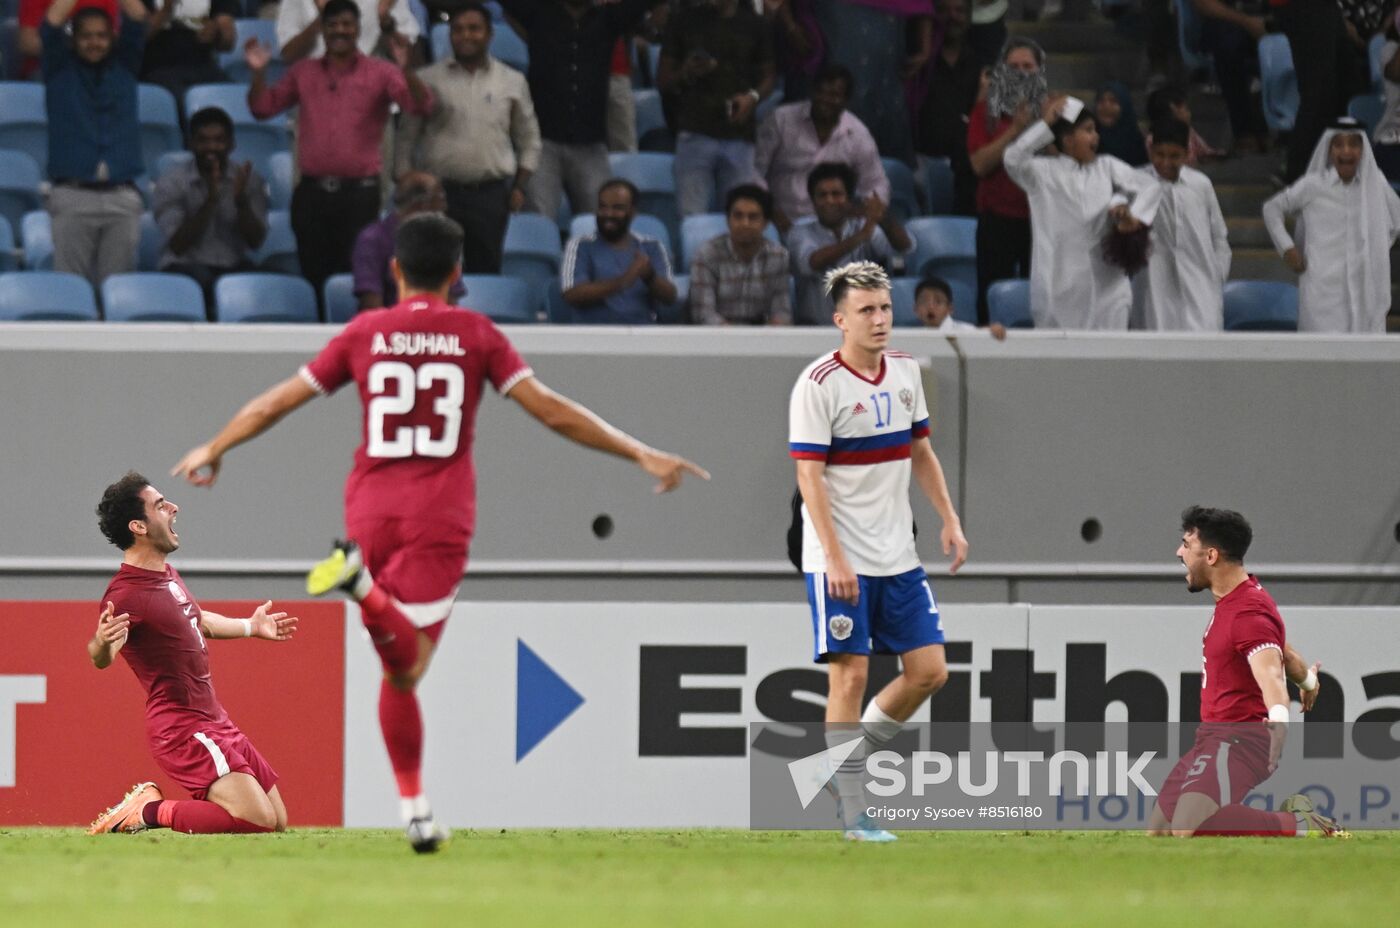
pixel 858 426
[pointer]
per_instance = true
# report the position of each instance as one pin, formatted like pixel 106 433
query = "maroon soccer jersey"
pixel 1245 622
pixel 420 367
pixel 165 649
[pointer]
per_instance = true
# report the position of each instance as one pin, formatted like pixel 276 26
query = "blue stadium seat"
pixel 678 313
pixel 152 298
pixel 24 122
pixel 152 243
pixel 1278 82
pixel 264 298
pixel 502 299
pixel 19 186
pixel 440 41
pixel 1367 109
pixel 265 31
pixel 904 195
pixel 278 253
pixel 698 229
pixel 642 224
pixel 338 296
pixel 938 186
pixel 46 295
pixel 654 174
pixel 1261 306
pixel 649 112
pixel 1009 302
pixel 254 140
pixel 279 180
pixel 160 124
pixel 944 246
pixel 36 238
pixel 508 47
pixel 171 160
pixel 532 248
pixel 9 256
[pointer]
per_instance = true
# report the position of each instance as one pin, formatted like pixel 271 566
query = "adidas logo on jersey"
pixel 860 408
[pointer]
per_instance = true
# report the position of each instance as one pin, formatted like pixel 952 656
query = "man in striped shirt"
pixel 858 427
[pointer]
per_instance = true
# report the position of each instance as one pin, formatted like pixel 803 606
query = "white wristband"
pixel 247 628
pixel 1309 682
pixel 1278 713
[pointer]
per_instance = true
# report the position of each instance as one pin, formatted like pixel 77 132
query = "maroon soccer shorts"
pixel 1223 764
pixel 418 563
pixel 210 752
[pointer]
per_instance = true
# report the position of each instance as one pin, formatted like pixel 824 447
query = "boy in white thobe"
pixel 1352 217
pixel 1076 199
pixel 1182 290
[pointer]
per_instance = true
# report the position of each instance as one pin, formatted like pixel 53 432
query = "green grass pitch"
pixel 714 879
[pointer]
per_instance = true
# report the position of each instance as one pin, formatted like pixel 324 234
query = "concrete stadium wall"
pixel 1038 434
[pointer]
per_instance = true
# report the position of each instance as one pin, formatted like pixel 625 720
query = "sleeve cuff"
pixel 311 380
pixel 511 381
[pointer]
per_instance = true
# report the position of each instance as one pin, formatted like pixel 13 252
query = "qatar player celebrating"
pixel 1244 699
pixel 410 500
pixel 858 427
pixel 151 619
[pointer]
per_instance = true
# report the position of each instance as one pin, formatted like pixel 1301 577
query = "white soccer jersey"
pixel 863 430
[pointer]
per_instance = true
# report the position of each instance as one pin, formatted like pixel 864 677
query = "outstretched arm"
pixel 260 414
pixel 579 424
pixel 111 635
pixel 272 626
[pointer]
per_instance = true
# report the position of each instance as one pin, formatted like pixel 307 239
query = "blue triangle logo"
pixel 543 700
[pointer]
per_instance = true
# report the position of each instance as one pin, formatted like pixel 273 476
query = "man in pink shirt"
pixel 799 136
pixel 345 98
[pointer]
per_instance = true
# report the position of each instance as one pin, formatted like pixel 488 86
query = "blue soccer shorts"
pixel 894 615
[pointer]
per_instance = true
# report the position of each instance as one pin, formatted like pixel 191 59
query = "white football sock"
pixel 363 584
pixel 411 807
pixel 880 727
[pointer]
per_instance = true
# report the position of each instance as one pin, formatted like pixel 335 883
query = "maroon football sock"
pixel 1241 821
pixel 197 817
pixel 402 724
pixel 393 635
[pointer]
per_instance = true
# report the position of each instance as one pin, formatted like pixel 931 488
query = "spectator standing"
pixel 1230 33
pixel 1015 93
pixel 942 129
pixel 1116 120
pixel 416 192
pixel 622 107
pixel 482 138
pixel 571 46
pixel 797 137
pixel 1182 289
pixel 345 98
pixel 1386 138
pixel 212 215
pixel 182 38
pixel 1348 217
pixel 871 38
pixel 299 26
pixel 987 33
pixel 1076 200
pixel 613 275
pixel 798 45
pixel 31 17
pixel 740 277
pixel 717 61
pixel 845 232
pixel 94 138
pixel 1328 54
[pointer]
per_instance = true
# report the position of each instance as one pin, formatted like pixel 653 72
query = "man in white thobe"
pixel 1348 217
pixel 1182 290
pixel 1076 198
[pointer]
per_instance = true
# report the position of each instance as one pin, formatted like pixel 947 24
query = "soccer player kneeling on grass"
pixel 1244 700
pixel 150 618
pixel 858 426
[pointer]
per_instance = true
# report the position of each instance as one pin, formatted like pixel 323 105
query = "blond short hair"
pixel 858 275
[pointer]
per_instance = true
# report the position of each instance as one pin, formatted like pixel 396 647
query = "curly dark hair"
pixel 121 504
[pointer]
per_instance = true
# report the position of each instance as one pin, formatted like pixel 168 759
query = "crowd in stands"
pixel 778 139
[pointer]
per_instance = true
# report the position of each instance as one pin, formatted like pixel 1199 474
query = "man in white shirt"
pixel 858 427
pixel 1181 290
